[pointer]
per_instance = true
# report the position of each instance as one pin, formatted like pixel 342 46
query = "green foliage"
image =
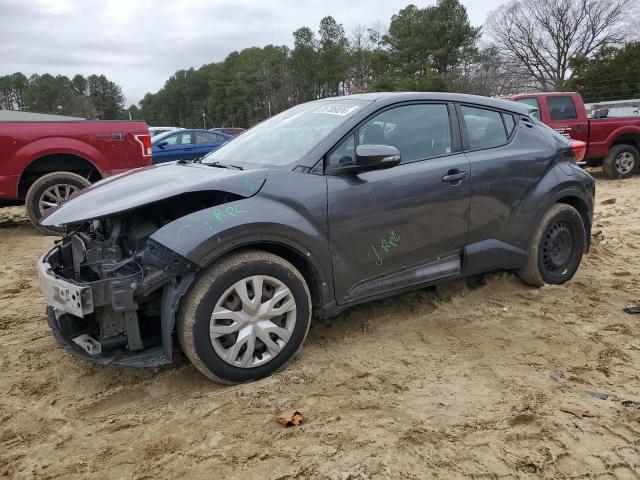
pixel 612 74
pixel 427 44
pixel 424 49
pixel 94 96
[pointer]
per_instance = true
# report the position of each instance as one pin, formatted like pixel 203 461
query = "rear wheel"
pixel 555 248
pixel 48 192
pixel 245 317
pixel 623 161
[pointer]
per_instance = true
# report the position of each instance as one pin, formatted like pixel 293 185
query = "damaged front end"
pixel 108 287
pixel 111 290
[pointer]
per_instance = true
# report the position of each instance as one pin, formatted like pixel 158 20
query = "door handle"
pixel 455 176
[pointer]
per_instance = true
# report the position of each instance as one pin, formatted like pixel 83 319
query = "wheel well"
pixel 298 260
pixel 628 138
pixel 583 209
pixel 56 162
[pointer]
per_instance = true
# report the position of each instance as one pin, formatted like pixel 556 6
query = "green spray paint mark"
pixel 246 181
pixel 386 244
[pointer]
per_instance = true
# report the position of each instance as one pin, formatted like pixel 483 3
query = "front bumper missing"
pixel 61 294
pixel 70 312
pixel 149 357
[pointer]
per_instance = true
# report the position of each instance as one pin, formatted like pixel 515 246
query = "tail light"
pixel 145 143
pixel 579 150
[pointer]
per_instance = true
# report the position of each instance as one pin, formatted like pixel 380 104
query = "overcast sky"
pixel 140 43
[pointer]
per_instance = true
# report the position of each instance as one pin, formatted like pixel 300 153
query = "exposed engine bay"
pixel 105 282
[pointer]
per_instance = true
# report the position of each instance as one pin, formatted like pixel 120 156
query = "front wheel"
pixel 245 317
pixel 555 248
pixel 48 192
pixel 623 161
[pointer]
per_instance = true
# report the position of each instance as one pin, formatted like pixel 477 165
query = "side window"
pixel 171 140
pixel 204 137
pixel 561 107
pixel 509 123
pixel 418 131
pixel 484 128
pixel 533 102
pixel 220 138
pixel 185 139
pixel 345 154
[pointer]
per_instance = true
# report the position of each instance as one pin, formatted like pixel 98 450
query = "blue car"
pixel 186 144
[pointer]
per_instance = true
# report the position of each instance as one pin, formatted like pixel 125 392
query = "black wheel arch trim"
pixel 575 196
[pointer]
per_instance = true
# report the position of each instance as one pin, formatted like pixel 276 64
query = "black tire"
pixel 556 247
pixel 623 161
pixel 194 314
pixel 40 186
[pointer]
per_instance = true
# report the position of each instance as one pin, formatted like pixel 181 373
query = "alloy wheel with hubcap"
pixel 252 321
pixel 244 317
pixel 49 191
pixel 55 196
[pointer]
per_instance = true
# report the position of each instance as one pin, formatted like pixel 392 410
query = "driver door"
pixel 391 229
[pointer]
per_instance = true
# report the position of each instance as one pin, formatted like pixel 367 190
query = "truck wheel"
pixel 623 161
pixel 48 192
pixel 555 248
pixel 245 317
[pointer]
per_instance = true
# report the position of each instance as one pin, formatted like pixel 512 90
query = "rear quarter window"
pixel 485 128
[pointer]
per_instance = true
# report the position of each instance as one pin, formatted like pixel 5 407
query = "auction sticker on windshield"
pixel 336 110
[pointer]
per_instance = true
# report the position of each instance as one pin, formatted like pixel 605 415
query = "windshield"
pixel 282 140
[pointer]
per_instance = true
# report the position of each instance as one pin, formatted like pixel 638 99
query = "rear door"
pixel 508 159
pixel 565 119
pixel 406 225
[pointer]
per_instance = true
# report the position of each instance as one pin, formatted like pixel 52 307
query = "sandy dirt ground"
pixel 452 382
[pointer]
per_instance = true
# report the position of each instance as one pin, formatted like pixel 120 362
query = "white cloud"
pixel 139 44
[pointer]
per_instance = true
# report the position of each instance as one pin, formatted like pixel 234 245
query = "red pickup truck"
pixel 613 143
pixel 44 163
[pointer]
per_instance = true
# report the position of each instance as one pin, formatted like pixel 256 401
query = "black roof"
pixel 393 97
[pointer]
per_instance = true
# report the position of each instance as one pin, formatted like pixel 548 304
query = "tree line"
pixel 526 45
pixel 94 96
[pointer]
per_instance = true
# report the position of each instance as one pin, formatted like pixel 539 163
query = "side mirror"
pixel 370 157
pixel 162 144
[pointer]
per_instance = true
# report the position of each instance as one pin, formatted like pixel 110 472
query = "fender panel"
pixel 297 221
pixel 581 187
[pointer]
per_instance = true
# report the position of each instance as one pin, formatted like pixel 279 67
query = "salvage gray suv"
pixel 326 205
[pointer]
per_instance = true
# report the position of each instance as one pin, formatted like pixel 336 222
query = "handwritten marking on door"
pixel 386 244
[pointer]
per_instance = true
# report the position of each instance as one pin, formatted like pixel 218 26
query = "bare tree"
pixel 360 48
pixel 489 73
pixel 543 35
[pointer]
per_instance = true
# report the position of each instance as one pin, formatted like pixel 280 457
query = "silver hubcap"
pixel 252 321
pixel 624 162
pixel 55 195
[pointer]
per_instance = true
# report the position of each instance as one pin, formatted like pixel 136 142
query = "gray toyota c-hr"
pixel 326 205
